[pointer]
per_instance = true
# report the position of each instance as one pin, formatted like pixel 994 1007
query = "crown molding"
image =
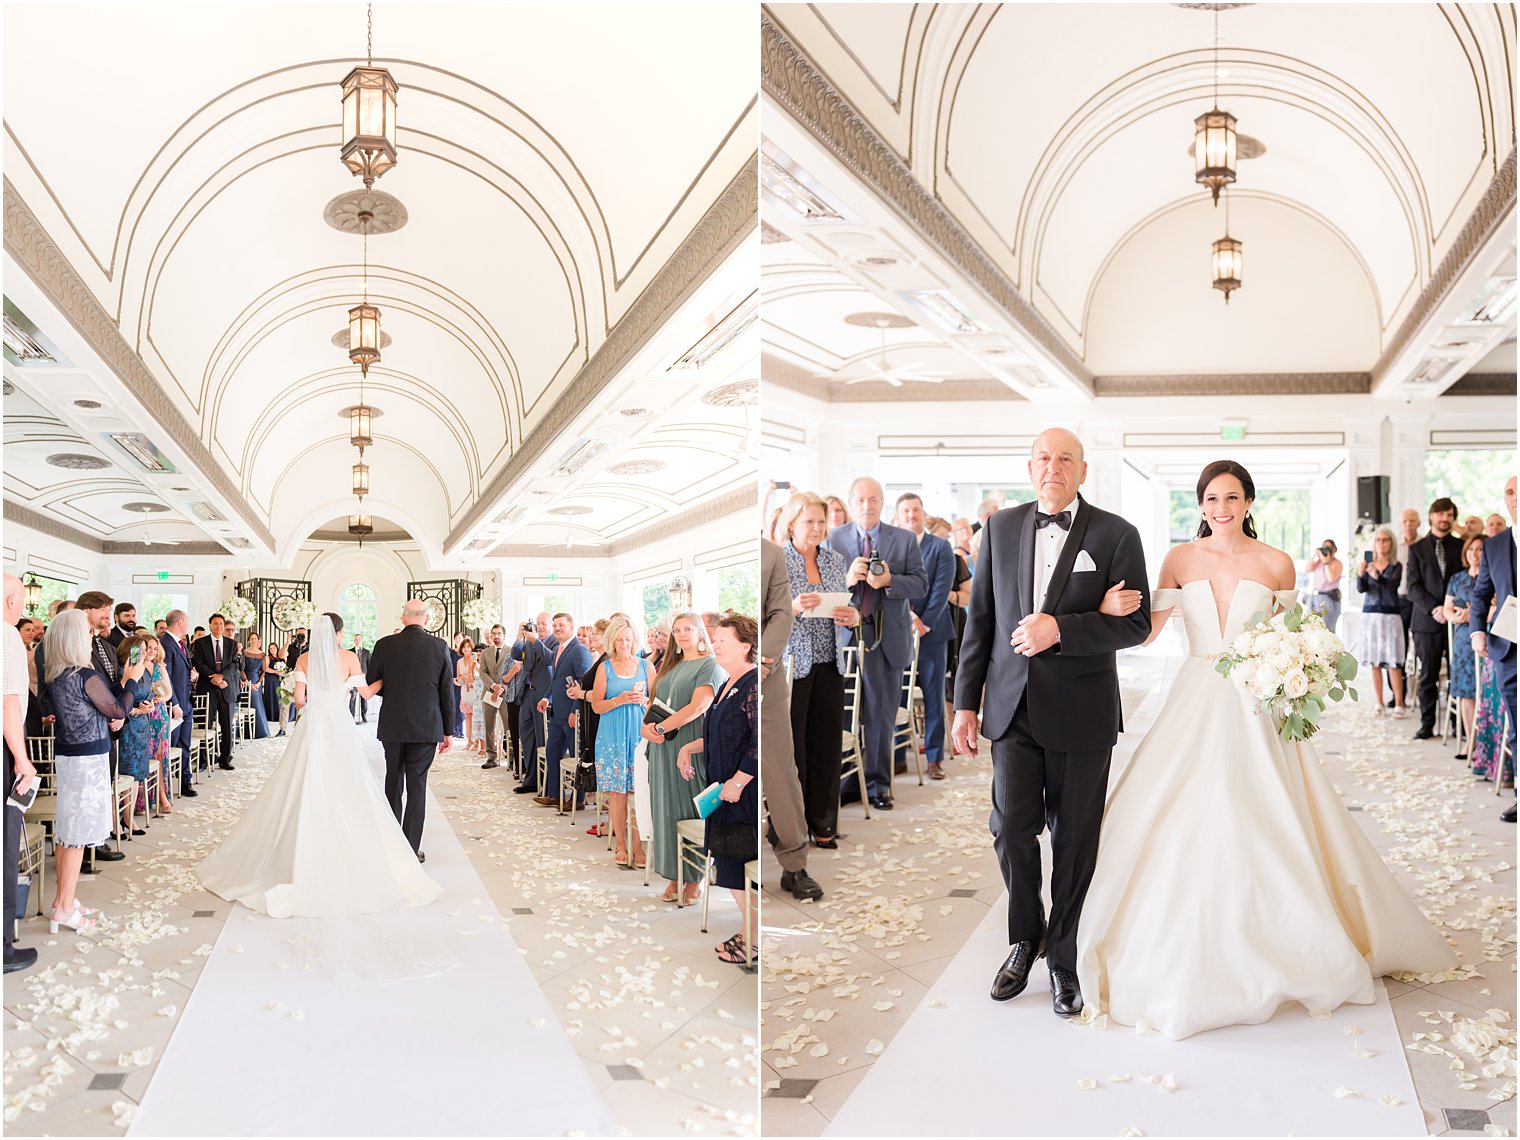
pixel 46 524
pixel 1483 384
pixel 34 251
pixel 1495 209
pixel 1237 384
pixel 159 549
pixel 725 225
pixel 790 78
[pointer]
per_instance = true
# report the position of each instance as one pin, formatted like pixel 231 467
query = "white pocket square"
pixel 1084 563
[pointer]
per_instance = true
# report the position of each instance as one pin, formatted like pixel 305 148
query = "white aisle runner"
pixel 386 1043
pixel 1013 1068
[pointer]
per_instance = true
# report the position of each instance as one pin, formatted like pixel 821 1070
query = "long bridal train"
pixel 1230 877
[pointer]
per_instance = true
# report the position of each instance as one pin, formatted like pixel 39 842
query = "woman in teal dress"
pixel 1464 674
pixel 619 696
pixel 687 679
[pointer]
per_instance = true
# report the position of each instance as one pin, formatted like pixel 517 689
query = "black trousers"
pixel 222 701
pixel 512 711
pixel 817 722
pixel 363 705
pixel 1033 788
pixel 1430 649
pixel 406 766
pixel 12 869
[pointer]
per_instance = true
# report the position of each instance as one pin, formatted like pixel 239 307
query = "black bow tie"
pixel 1042 520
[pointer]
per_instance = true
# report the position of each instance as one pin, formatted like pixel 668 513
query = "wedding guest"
pixel 1325 571
pixel 709 624
pixel 1493 525
pixel 1409 532
pixel 160 627
pixel 19 772
pixel 175 656
pixel 836 513
pixel 275 710
pixel 816 651
pixel 145 737
pixel 296 647
pixel 730 747
pixel 494 661
pixel 1381 634
pixel 24 627
pixel 1464 663
pixel 1471 527
pixel 96 607
pixel 571 661
pixel 454 656
pixel 56 608
pixel 588 720
pixel 467 683
pixel 658 638
pixel 684 684
pixel 512 686
pixel 1494 588
pixel 985 510
pixel 215 659
pixel 124 624
pixel 619 695
pixel 1432 561
pixel 929 614
pixel 960 600
pixel 89 707
pixel 354 695
pixel 535 648
pixel 255 662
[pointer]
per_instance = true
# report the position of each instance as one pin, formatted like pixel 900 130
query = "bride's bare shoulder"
pixel 1174 566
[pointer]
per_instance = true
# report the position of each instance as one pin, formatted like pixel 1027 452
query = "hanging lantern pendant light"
pixel 1228 259
pixel 364 333
pixel 369 116
pixel 1215 141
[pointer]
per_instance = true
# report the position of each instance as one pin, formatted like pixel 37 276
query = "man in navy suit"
pixel 1496 580
pixel 886 570
pixel 931 621
pixel 535 648
pixel 571 662
pixel 176 654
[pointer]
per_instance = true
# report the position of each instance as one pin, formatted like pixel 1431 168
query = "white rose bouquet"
pixel 481 613
pixel 239 611
pixel 295 613
pixel 1291 665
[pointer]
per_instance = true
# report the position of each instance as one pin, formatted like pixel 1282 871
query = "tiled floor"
pixel 668 1034
pixel 906 888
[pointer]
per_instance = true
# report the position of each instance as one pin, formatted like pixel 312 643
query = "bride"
pixel 320 839
pixel 1230 877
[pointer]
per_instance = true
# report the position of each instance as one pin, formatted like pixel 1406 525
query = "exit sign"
pixel 1233 433
pixel 552 575
pixel 163 575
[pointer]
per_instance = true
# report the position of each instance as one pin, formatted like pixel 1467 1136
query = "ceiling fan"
pixel 149 540
pixel 882 371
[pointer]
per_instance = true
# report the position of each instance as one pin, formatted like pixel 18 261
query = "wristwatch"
pixel 660 728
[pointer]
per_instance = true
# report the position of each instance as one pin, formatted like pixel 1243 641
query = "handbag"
pixel 585 777
pixel 733 840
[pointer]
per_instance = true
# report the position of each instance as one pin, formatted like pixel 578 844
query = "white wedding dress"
pixel 320 840
pixel 1230 877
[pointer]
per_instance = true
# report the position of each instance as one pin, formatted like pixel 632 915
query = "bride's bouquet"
pixel 1292 665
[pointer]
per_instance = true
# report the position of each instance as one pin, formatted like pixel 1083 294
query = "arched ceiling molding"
pixel 1258 195
pixel 307 524
pixel 384 381
pixel 240 344
pixel 206 194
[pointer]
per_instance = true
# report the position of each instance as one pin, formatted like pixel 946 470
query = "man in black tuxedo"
pixel 216 658
pixel 1432 561
pixel 125 624
pixel 1038 659
pixel 416 713
pixel 353 694
pixel 535 648
pixel 176 655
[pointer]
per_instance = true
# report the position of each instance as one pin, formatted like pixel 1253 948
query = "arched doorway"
pixel 358 606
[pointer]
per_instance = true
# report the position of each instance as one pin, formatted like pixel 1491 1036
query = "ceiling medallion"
pixel 1214 7
pixel 739 394
pixel 78 462
pixel 880 321
pixel 570 510
pixel 372 212
pixel 634 413
pixel 87 405
pixel 340 339
pixel 637 467
pixel 145 508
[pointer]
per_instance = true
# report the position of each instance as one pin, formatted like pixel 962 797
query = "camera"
pixel 878 567
pixel 1326 551
pixel 527 627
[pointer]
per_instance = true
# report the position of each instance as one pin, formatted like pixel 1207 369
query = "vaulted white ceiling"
pixel 1052 140
pixel 553 159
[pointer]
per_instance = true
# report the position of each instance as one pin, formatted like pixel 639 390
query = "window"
pixel 360 610
pixel 739 588
pixel 656 603
pixel 558 604
pixel 1281 517
pixel 1472 479
pixel 152 607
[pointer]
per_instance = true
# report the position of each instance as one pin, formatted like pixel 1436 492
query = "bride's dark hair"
pixel 1248 485
pixel 336 620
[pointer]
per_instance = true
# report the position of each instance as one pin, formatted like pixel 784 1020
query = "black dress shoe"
pixel 1013 974
pixel 1508 814
pixel 828 844
pixel 422 856
pixel 526 790
pixel 189 792
pixel 801 884
pixel 226 766
pixel 20 958
pixel 881 803
pixel 490 764
pixel 1065 997
pixel 106 855
pixel 1424 734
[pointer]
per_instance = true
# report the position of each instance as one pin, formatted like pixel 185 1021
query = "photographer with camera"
pixel 1325 570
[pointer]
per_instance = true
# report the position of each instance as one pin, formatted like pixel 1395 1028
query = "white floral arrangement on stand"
pixel 239 611
pixel 295 613
pixel 1292 665
pixel 481 613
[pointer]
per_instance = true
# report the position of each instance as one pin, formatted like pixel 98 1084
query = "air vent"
pixel 480 544
pixel 73 462
pixel 144 450
pixel 634 413
pixel 946 310
pixel 238 543
pixel 728 329
pixel 22 347
pixel 9 387
pixel 207 513
pixel 573 460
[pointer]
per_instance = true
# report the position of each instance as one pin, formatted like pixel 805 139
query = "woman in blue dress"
pixel 619 697
pixel 143 745
pixel 730 742
pixel 1464 671
pixel 254 664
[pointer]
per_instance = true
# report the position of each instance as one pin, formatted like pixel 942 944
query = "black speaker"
pixel 1372 498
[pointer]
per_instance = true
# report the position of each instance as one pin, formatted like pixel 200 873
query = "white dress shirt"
pixel 1049 541
pixel 15 684
pixel 1403 553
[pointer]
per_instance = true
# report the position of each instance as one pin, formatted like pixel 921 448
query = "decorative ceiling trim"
pixel 34 250
pixel 159 549
pixel 723 227
pixel 1494 209
pixel 1238 384
pixel 1483 384
pixel 792 80
pixel 741 499
pixel 783 374
pixel 46 524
